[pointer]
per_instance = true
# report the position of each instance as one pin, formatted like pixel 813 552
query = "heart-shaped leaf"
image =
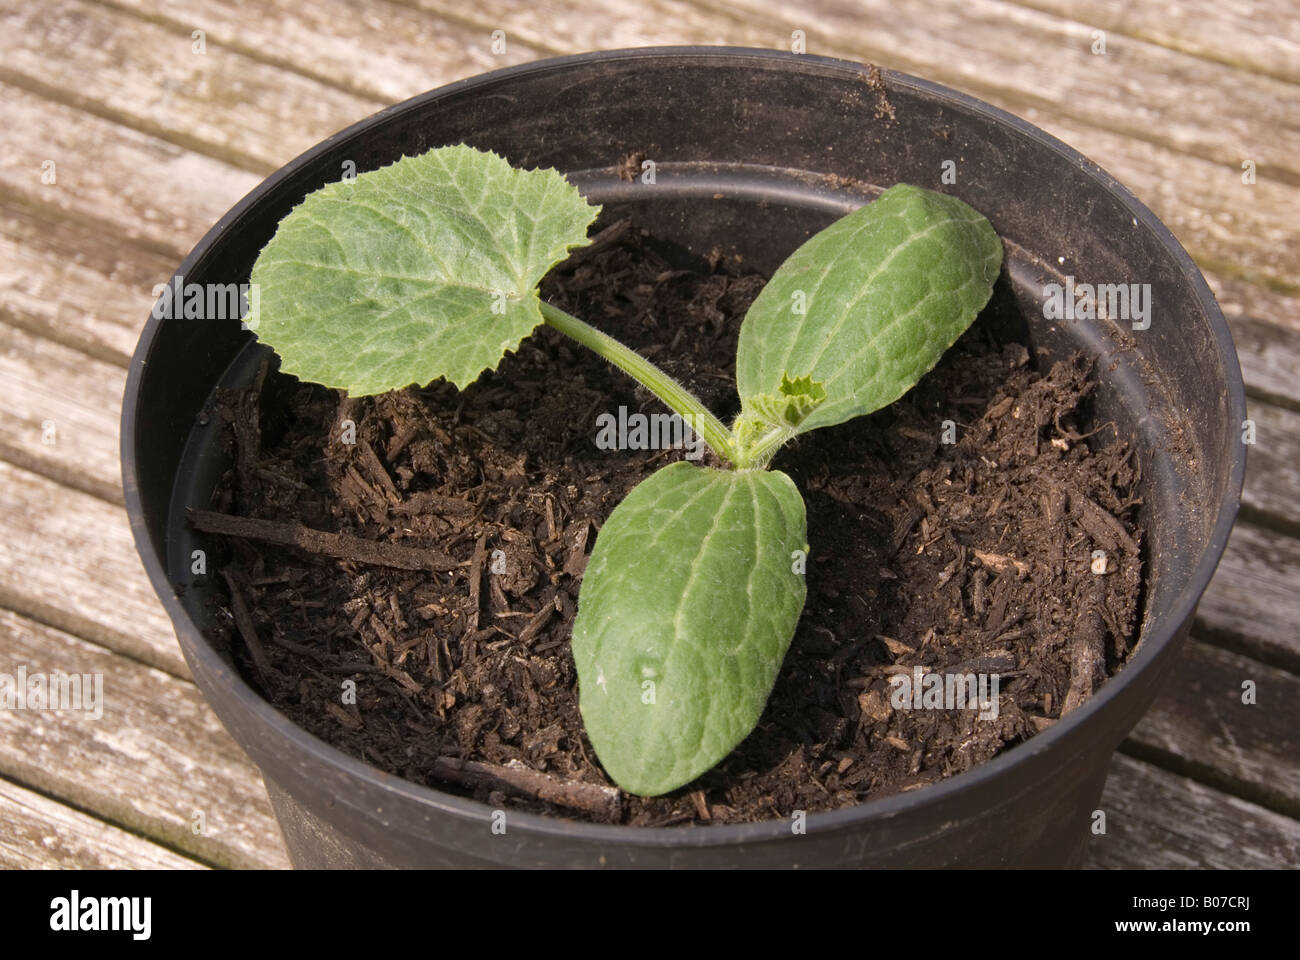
pixel 688 605
pixel 868 305
pixel 423 269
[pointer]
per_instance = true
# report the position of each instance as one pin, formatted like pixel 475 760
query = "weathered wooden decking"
pixel 120 145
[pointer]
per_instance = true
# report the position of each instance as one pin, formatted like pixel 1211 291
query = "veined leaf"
pixel 868 305
pixel 423 269
pixel 688 605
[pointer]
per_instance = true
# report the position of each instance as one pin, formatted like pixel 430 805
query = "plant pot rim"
pixel 470 810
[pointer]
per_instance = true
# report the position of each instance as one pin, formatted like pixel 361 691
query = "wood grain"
pixel 159 754
pixel 75 283
pixel 68 560
pixel 1272 488
pixel 1262 36
pixel 61 411
pixel 37 833
pixel 1253 605
pixel 388 52
pixel 1156 820
pixel 1199 726
pixel 1268 356
pixel 110 178
pixel 1266 331
pixel 137 181
pixel 149 77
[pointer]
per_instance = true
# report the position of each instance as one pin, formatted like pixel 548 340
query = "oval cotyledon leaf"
pixel 688 604
pixel 867 306
pixel 423 269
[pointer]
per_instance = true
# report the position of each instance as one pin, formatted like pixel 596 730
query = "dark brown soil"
pixel 965 557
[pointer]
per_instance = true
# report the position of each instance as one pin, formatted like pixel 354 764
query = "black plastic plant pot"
pixel 754 151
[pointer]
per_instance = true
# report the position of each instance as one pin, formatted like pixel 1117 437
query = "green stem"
pixel 678 398
pixel 759 452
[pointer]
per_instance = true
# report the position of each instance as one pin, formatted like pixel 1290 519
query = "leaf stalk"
pixel 678 398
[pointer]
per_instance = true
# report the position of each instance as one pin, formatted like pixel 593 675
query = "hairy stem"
pixel 678 398
pixel 757 452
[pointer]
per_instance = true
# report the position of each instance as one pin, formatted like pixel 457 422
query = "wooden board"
pixel 148 77
pixel 1272 491
pixel 61 414
pixel 68 560
pixel 1262 36
pixel 121 183
pixel 37 833
pixel 1268 356
pixel 76 283
pixel 1223 222
pixel 1266 331
pixel 1204 204
pixel 1157 820
pixel 1252 605
pixel 390 53
pixel 1202 727
pixel 163 765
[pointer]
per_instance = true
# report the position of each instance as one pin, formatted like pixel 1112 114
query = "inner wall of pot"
pixel 752 157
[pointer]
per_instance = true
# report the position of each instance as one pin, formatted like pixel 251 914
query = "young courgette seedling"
pixel 429 268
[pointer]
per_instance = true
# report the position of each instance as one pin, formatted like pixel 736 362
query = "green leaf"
pixel 423 269
pixel 869 304
pixel 688 605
